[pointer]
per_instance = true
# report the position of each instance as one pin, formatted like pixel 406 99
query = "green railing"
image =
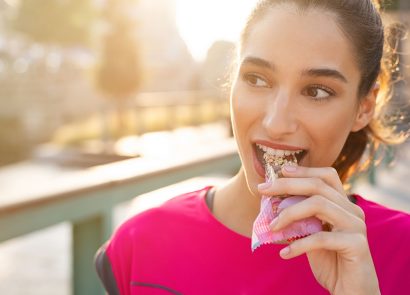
pixel 92 194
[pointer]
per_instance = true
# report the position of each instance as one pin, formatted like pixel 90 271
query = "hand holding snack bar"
pixel 271 207
pixel 333 255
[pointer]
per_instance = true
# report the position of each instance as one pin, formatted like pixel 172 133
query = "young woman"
pixel 310 79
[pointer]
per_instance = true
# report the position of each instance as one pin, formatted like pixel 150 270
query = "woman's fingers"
pixel 350 245
pixel 328 174
pixel 323 209
pixel 310 187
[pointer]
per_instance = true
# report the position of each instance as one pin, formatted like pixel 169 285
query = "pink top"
pixel 180 248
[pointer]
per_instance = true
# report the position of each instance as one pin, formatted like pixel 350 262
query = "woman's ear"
pixel 366 109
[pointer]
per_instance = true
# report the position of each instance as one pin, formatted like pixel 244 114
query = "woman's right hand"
pixel 340 259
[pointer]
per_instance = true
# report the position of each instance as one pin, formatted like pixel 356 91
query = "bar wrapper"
pixel 270 208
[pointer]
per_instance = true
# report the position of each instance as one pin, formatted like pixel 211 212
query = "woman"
pixel 307 79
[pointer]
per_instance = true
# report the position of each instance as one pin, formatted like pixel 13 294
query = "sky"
pixel 201 22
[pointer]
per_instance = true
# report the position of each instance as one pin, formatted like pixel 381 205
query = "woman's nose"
pixel 279 118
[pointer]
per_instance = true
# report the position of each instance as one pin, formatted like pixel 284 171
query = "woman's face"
pixel 295 89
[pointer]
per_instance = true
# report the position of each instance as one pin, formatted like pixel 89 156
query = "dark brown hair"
pixel 360 20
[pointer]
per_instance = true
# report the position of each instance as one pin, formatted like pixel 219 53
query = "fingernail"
pixel 274 223
pixel 284 252
pixel 290 168
pixel 265 185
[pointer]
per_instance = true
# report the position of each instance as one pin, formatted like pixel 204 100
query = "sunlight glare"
pixel 201 23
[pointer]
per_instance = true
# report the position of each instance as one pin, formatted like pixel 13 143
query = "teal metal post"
pixel 88 236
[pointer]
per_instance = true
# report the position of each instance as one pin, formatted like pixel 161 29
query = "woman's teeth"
pixel 276 152
pixel 279 157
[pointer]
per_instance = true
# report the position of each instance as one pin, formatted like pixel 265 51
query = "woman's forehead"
pixel 308 39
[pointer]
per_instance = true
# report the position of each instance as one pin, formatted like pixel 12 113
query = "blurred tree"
pixel 396 4
pixel 390 4
pixel 14 144
pixel 119 74
pixel 62 22
pixel 404 4
pixel 32 68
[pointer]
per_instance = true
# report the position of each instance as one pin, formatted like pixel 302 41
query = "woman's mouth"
pixel 276 157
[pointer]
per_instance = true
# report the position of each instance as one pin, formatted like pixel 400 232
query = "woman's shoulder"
pixel 178 209
pixel 388 233
pixel 375 211
pixel 153 227
pixel 382 218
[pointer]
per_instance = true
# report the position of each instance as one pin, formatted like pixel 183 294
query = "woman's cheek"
pixel 238 106
pixel 330 136
pixel 246 106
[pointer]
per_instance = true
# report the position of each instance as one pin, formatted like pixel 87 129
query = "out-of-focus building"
pixel 166 59
pixel 218 66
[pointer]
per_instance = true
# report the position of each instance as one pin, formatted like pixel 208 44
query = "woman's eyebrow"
pixel 257 61
pixel 325 73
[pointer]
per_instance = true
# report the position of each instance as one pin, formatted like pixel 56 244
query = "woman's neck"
pixel 235 206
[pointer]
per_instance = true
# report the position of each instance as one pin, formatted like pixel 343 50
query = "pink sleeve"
pixel 119 252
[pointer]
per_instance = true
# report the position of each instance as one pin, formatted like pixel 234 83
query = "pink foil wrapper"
pixel 270 208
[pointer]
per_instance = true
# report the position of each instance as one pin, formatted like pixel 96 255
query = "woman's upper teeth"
pixel 277 152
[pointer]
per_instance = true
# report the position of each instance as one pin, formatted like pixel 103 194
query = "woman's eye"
pixel 319 92
pixel 255 80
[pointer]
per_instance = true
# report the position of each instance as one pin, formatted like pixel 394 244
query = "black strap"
pixel 352 199
pixel 104 271
pixel 209 199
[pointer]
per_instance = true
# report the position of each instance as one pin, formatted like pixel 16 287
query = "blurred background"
pixel 90 83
